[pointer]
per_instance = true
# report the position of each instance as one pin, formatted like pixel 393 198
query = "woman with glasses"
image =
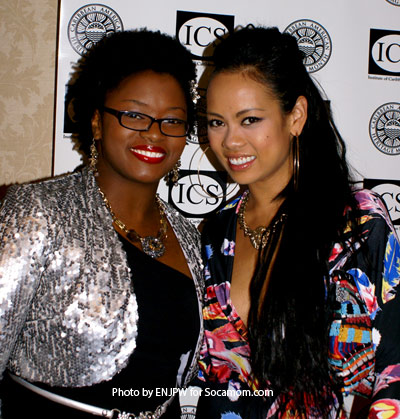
pixel 100 279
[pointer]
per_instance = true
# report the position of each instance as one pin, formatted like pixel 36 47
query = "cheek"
pixel 175 151
pixel 274 138
pixel 215 142
pixel 180 146
pixel 215 147
pixel 114 133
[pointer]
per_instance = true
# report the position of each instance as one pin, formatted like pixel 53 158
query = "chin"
pixel 241 180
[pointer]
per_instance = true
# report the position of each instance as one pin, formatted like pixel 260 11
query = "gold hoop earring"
pixel 172 177
pixel 207 194
pixel 94 158
pixel 296 162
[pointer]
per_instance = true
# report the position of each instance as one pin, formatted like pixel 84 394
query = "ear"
pixel 298 116
pixel 97 129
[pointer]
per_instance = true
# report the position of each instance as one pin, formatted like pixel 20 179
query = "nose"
pixel 232 139
pixel 154 133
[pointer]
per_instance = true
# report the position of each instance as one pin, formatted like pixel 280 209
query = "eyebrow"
pixel 238 113
pixel 249 110
pixel 214 114
pixel 138 102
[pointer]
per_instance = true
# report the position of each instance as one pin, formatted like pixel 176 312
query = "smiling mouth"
pixel 148 156
pixel 239 161
pixel 151 154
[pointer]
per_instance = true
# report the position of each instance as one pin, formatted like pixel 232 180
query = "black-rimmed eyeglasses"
pixel 136 121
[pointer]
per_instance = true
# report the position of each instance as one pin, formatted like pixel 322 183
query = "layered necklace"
pixel 152 246
pixel 261 235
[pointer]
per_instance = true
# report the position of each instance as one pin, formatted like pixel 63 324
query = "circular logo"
pixel 90 24
pixel 198 33
pixel 391 194
pixel 394 2
pixel 198 194
pixel 384 128
pixel 386 53
pixel 314 41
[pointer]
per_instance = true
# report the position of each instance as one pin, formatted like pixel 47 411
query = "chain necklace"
pixel 152 246
pixel 261 235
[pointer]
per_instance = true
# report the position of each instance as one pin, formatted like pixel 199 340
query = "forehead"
pixel 238 88
pixel 148 85
pixel 148 77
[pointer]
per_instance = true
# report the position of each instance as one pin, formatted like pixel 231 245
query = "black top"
pixel 168 328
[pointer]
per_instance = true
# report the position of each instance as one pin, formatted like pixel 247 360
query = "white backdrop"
pixel 353 51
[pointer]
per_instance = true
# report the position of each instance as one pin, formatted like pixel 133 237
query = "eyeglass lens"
pixel 140 122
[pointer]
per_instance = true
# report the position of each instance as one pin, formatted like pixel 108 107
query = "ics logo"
pixel 384 128
pixel 384 52
pixel 90 24
pixel 198 31
pixel 389 190
pixel 315 42
pixel 198 194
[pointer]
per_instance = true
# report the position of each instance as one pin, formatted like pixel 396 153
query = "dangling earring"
pixel 296 163
pixel 93 159
pixel 173 175
pixel 194 92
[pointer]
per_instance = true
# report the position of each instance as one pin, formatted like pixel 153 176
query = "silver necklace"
pixel 152 246
pixel 261 235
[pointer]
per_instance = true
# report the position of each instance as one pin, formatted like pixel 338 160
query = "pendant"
pixel 152 246
pixel 259 237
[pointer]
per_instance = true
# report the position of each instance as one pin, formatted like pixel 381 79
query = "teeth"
pixel 241 160
pixel 146 153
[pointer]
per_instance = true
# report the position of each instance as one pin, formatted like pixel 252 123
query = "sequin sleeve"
pixel 23 232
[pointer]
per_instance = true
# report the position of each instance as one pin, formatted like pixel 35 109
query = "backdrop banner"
pixel 352 51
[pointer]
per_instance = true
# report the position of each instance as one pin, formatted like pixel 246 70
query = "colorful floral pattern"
pixel 364 346
pixel 391 274
pixel 385 409
pixel 389 375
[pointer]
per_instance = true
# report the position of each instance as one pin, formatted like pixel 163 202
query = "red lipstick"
pixel 148 153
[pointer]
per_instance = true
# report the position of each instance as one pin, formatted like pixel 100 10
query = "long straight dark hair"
pixel 289 316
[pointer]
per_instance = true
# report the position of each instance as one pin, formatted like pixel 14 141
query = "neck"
pixel 264 198
pixel 131 202
pixel 262 206
pixel 264 193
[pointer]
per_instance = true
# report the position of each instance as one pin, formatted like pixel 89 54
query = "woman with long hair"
pixel 302 271
pixel 100 279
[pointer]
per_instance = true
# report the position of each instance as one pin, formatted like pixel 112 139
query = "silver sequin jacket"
pixel 68 314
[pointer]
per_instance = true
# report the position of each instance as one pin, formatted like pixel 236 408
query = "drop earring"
pixel 296 162
pixel 93 159
pixel 172 177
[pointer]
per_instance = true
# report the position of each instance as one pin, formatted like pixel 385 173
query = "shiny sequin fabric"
pixel 68 313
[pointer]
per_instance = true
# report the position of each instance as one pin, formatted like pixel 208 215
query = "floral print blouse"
pixel 364 345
